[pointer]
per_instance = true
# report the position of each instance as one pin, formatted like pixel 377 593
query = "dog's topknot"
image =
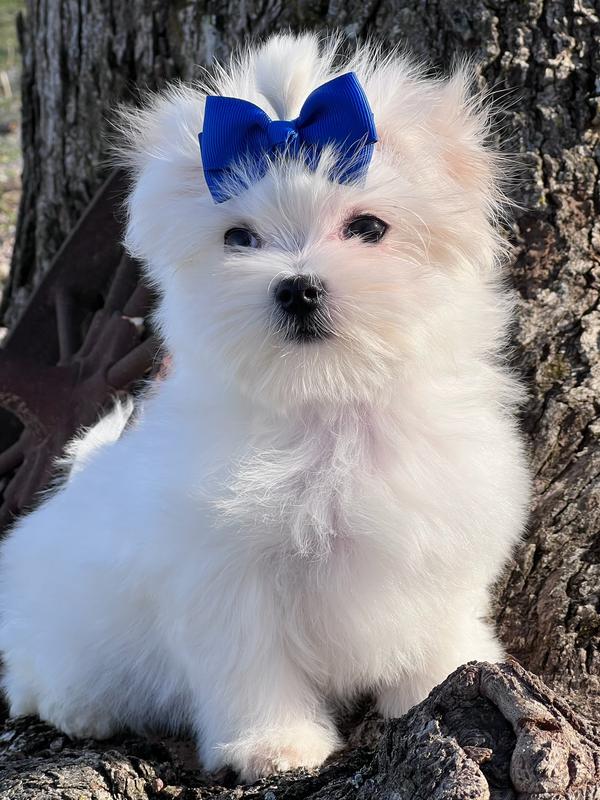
pixel 418 117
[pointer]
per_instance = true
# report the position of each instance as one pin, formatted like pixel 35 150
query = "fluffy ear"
pixel 163 130
pixel 460 119
pixel 439 128
pixel 158 144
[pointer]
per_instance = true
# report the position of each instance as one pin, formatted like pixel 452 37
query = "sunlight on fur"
pixel 290 520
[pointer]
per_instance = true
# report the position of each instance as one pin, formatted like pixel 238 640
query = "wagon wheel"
pixel 84 338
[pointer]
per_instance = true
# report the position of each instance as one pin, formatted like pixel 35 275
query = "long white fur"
pixel 108 429
pixel 287 524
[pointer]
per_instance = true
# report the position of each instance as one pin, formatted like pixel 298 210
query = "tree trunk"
pixel 82 56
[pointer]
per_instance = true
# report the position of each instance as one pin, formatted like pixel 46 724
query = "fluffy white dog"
pixel 318 498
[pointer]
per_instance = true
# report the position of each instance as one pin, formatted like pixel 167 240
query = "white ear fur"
pixel 158 144
pixel 441 125
pixel 461 120
pixel 165 129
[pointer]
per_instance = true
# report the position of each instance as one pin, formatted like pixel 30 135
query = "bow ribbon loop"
pixel 335 114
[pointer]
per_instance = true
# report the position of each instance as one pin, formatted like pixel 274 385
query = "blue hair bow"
pixel 336 113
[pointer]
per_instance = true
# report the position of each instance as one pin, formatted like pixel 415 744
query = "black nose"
pixel 300 295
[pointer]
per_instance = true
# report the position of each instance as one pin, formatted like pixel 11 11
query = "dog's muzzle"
pixel 302 308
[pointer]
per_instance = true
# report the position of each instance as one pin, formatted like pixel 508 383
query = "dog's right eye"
pixel 241 237
pixel 367 228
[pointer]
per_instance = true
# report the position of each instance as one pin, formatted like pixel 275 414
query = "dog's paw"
pixel 262 753
pixel 272 758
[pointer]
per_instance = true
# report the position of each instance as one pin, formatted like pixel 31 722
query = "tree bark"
pixel 489 732
pixel 82 56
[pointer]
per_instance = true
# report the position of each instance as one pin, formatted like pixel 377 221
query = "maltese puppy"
pixel 317 499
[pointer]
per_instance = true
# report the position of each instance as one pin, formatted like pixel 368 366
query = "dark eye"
pixel 241 237
pixel 367 227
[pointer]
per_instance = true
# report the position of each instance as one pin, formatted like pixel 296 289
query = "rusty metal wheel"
pixel 84 338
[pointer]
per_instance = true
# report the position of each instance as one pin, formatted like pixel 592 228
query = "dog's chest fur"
pixel 298 485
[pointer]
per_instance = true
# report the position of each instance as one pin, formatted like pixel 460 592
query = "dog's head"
pixel 303 289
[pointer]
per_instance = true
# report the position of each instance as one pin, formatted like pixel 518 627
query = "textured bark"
pixel 81 56
pixel 489 732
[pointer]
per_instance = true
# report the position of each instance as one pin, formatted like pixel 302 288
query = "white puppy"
pixel 317 499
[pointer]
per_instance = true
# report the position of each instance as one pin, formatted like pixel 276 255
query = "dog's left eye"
pixel 241 237
pixel 366 227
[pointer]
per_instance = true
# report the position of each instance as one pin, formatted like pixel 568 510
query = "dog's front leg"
pixel 466 638
pixel 255 708
pixel 260 717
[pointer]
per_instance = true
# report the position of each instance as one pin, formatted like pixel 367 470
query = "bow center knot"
pixel 282 133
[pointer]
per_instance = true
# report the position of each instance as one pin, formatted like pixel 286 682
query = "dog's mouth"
pixel 312 328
